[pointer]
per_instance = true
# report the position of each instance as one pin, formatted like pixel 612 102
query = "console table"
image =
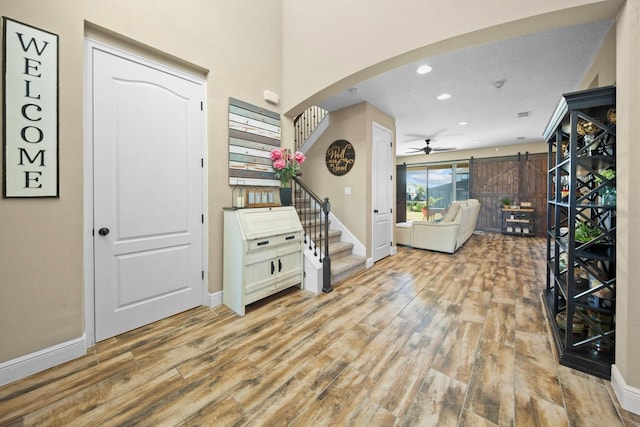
pixel 518 222
pixel 263 254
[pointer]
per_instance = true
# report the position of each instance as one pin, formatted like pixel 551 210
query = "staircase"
pixel 344 263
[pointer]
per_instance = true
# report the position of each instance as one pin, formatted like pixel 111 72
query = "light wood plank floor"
pixel 419 339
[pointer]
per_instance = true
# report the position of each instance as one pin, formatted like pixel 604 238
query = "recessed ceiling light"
pixel 424 69
pixel 463 123
pixel 477 141
pixel 498 84
pixel 443 96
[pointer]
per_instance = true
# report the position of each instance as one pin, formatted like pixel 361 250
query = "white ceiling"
pixel 538 68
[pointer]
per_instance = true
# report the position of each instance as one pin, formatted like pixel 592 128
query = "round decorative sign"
pixel 340 157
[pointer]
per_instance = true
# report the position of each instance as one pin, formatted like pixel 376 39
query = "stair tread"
pixel 333 234
pixel 345 263
pixel 339 246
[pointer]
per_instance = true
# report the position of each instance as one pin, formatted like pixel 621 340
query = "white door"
pixel 148 209
pixel 382 192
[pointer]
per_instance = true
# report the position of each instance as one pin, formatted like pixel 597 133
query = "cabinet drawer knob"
pixel 264 242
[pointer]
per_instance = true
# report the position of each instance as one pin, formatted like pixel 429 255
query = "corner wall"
pixel 627 385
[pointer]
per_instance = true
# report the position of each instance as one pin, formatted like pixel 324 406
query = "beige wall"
pixel 236 44
pixel 628 203
pixel 351 40
pixel 353 124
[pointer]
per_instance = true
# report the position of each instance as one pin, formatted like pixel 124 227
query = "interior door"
pixel 148 231
pixel 382 192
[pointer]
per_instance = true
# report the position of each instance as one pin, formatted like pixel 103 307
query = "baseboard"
pixel 214 299
pixel 629 397
pixel 39 361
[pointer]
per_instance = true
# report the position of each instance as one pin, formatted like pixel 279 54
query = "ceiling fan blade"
pixel 442 148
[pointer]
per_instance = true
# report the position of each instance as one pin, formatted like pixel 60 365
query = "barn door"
pixel 522 177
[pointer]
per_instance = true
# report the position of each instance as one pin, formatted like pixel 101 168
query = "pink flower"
pixel 276 154
pixel 299 157
pixel 286 164
pixel 279 164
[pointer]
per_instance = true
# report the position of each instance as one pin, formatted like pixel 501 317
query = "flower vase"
pixel 608 196
pixel 285 196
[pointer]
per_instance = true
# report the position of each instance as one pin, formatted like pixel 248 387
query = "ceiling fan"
pixel 428 149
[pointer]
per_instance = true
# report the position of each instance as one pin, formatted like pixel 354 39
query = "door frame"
pixel 88 226
pixel 390 189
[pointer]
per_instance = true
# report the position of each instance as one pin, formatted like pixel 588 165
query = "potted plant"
pixel 286 165
pixel 506 202
pixel 585 233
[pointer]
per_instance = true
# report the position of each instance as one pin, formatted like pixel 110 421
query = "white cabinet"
pixel 263 254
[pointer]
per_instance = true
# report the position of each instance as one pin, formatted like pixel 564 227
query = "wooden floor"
pixel 419 339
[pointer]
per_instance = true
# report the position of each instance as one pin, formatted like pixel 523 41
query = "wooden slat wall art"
pixel 253 133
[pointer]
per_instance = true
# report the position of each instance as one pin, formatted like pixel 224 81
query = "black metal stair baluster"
pixel 317 235
pixel 316 226
pixel 326 262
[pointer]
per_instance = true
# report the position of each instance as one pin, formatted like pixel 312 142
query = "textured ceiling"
pixel 537 68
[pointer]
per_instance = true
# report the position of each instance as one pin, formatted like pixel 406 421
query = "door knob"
pixel 375 211
pixel 103 231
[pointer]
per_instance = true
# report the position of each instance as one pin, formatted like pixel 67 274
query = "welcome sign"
pixel 30 79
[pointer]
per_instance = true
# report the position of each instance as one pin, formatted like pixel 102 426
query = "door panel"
pixel 147 134
pixel 382 192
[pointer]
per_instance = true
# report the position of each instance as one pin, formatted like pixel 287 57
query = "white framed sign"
pixel 30 125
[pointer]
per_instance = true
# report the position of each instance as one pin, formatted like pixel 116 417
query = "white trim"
pixel 88 255
pixel 214 299
pixel 628 396
pixel 39 361
pixel 206 296
pixel 87 229
pixel 313 272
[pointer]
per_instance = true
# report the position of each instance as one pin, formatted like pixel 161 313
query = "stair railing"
pixel 306 122
pixel 314 215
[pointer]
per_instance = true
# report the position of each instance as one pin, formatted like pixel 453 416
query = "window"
pixel 434 187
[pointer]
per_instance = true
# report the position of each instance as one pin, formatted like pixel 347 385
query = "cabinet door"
pixel 260 275
pixel 289 265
